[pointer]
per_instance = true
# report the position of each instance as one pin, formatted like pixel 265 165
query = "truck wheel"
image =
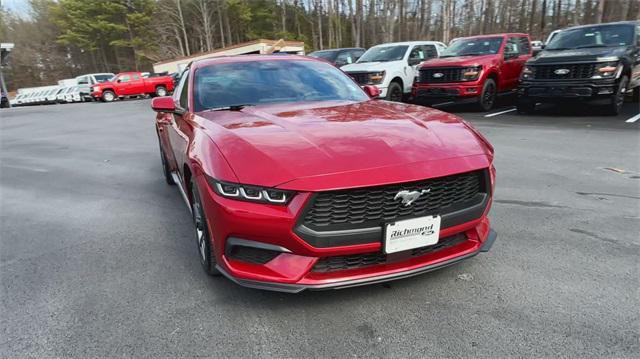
pixel 525 107
pixel 617 100
pixel 394 92
pixel 488 95
pixel 108 96
pixel 203 239
pixel 161 91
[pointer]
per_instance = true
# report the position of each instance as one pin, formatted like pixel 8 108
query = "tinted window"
pixel 125 78
pixel 512 46
pixel 276 81
pixel 384 53
pixel 423 52
pixel 593 36
pixel 525 46
pixel 473 46
pixel 325 55
pixel 102 78
pixel 345 58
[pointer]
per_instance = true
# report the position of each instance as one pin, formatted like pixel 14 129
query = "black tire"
pixel 203 238
pixel 108 96
pixel 161 91
pixel 165 166
pixel 636 94
pixel 617 100
pixel 525 107
pixel 488 95
pixel 394 92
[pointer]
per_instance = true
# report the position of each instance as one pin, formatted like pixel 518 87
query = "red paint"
pixel 506 71
pixel 132 84
pixel 308 147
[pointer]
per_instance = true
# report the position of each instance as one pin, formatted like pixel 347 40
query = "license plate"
pixel 411 233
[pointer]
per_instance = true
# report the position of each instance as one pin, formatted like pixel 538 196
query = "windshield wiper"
pixel 230 107
pixel 588 46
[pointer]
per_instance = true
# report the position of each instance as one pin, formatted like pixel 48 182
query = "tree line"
pixel 65 38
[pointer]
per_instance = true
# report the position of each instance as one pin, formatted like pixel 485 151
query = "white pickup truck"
pixel 392 67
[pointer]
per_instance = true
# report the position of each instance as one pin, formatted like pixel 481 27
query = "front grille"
pixel 251 255
pixel 355 261
pixel 362 78
pixel 451 74
pixel 576 72
pixel 370 207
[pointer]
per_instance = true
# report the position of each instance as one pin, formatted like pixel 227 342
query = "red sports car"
pixel 297 178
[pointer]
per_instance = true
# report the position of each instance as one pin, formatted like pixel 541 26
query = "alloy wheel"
pixel 488 97
pixel 200 228
pixel 396 95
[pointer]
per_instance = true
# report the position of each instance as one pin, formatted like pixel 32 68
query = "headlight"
pixel 376 77
pixel 471 73
pixel 606 70
pixel 250 193
pixel 527 73
pixel 96 88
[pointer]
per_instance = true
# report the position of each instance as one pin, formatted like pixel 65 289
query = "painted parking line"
pixel 633 119
pixel 442 104
pixel 500 113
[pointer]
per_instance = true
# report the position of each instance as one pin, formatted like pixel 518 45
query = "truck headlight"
pixel 607 70
pixel 527 73
pixel 376 78
pixel 471 73
pixel 95 88
pixel 250 193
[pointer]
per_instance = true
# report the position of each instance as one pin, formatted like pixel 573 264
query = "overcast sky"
pixel 20 7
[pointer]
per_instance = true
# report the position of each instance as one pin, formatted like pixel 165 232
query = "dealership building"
pixel 260 46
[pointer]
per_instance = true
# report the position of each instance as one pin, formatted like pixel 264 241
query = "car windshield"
pixel 325 55
pixel 276 81
pixel 474 46
pixel 592 36
pixel 383 54
pixel 103 78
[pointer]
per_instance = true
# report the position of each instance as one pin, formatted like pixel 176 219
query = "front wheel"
pixel 108 96
pixel 488 95
pixel 394 92
pixel 203 238
pixel 161 91
pixel 617 101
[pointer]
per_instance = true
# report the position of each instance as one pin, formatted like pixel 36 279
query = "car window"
pixel 524 46
pixel 135 77
pixel 328 55
pixel 384 53
pixel 611 35
pixel 125 78
pixel 357 54
pixel 345 57
pixel 183 90
pixel 423 52
pixel 512 46
pixel 473 47
pixel 103 78
pixel 271 81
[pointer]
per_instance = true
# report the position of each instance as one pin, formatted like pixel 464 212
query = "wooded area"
pixel 64 38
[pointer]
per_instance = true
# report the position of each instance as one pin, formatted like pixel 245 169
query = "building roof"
pixel 236 46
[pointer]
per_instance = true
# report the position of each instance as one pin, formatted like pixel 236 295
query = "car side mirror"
pixel 163 104
pixel 413 62
pixel 118 81
pixel 543 46
pixel 510 55
pixel 372 91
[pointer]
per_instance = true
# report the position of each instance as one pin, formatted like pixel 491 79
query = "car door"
pixel 418 54
pixel 178 129
pixel 136 85
pixel 515 54
pixel 124 82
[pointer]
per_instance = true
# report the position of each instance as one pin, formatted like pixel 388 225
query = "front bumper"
pixel 594 91
pixel 294 264
pixel 459 92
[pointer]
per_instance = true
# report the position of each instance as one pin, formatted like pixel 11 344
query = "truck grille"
pixel 452 74
pixel 576 71
pixel 362 78
pixel 366 207
pixel 355 261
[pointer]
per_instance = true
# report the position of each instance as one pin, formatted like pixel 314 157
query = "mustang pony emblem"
pixel 410 197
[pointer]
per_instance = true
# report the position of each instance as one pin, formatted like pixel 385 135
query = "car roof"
pixel 410 43
pixel 505 34
pixel 250 58
pixel 339 49
pixel 604 24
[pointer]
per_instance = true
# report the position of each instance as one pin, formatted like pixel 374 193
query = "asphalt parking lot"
pixel 97 256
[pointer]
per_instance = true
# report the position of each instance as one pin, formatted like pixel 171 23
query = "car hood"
pixel 313 145
pixel 367 66
pixel 460 61
pixel 588 54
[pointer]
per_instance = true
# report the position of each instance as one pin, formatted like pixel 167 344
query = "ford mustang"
pixel 297 178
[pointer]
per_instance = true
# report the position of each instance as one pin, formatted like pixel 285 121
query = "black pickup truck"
pixel 598 64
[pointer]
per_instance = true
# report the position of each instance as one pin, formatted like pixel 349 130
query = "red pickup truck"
pixel 474 70
pixel 127 84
